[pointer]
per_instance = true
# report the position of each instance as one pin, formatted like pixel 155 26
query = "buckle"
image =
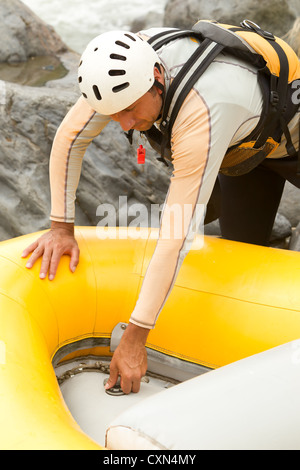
pixel 164 125
pixel 274 98
pixel 254 27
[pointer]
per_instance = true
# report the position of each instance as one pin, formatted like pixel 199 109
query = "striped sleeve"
pixel 80 126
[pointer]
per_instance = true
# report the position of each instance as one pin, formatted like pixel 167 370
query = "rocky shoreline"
pixel 30 116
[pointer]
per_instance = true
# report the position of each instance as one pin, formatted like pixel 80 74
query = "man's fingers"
pixel 36 254
pixel 29 249
pixel 51 247
pixel 130 385
pixel 47 261
pixel 136 385
pixel 113 377
pixel 74 258
pixel 52 257
pixel 127 385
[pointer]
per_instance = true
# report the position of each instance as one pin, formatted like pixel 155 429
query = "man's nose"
pixel 126 122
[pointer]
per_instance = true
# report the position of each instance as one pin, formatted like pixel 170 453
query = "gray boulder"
pixel 290 204
pixel 277 16
pixel 295 239
pixel 150 20
pixel 24 35
pixel 292 37
pixel 29 118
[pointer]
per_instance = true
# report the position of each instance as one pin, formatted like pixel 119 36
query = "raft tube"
pixel 230 301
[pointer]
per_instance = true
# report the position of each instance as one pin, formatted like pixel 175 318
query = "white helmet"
pixel 116 69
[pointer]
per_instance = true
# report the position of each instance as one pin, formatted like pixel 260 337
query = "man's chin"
pixel 143 127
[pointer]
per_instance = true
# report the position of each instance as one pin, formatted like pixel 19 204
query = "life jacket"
pixel 278 69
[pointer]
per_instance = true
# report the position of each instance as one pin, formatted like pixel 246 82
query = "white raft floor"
pixel 90 405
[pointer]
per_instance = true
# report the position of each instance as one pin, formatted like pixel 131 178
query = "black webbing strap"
pixel 298 166
pixel 184 81
pixel 162 38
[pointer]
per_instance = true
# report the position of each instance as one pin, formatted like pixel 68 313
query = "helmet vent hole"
pixel 130 37
pixel 118 88
pixel 97 93
pixel 117 57
pixel 96 48
pixel 115 73
pixel 80 79
pixel 122 44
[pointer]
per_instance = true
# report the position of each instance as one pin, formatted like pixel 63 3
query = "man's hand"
pixel 51 246
pixel 129 360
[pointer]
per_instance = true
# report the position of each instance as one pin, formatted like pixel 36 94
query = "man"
pixel 123 79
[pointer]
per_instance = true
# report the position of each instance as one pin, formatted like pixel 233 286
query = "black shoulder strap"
pixel 168 35
pixel 192 70
pixel 186 78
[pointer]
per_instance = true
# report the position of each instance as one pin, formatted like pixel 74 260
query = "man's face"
pixel 142 114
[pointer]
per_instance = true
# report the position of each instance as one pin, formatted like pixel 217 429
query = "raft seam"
pixel 140 434
pixel 238 300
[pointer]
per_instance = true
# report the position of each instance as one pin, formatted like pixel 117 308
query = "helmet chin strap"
pixel 161 87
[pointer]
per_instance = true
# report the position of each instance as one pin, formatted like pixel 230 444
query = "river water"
pixel 78 21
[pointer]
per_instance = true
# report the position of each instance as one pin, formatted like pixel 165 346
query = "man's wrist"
pixel 62 225
pixel 135 333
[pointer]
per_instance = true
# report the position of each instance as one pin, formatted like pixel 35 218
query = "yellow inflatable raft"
pixel 230 301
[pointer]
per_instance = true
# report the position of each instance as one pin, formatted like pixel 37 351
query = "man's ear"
pixel 159 78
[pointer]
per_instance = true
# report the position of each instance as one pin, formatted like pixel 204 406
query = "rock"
pixel 276 16
pixel 150 20
pixel 24 35
pixel 213 228
pixel 29 118
pixel 282 228
pixel 293 36
pixel 295 239
pixel 290 204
